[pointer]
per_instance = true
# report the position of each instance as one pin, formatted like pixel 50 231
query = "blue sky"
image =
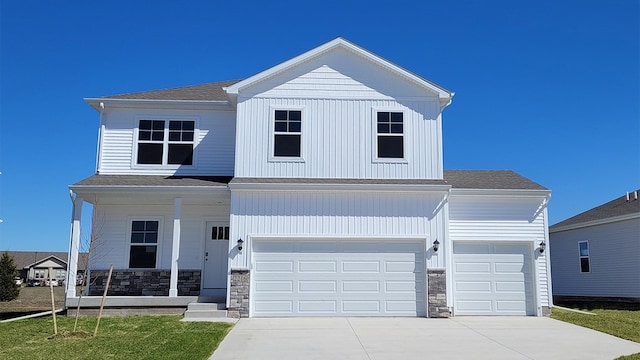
pixel 549 89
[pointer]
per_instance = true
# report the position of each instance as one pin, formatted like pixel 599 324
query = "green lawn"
pixel 620 323
pixel 134 337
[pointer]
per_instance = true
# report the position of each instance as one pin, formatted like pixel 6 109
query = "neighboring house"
pixel 313 188
pixel 595 255
pixel 34 265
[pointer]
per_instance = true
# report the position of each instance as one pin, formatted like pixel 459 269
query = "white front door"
pixel 216 255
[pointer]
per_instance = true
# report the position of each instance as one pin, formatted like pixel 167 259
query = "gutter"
pixel 101 103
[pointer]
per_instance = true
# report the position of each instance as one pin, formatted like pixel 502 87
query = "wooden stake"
pixel 104 299
pixel 53 303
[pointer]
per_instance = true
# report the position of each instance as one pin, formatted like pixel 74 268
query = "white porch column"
pixel 175 249
pixel 74 247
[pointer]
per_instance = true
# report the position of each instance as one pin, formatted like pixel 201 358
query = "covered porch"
pixel 153 230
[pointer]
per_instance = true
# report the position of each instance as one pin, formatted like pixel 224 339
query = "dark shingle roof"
pixel 153 180
pixel 489 179
pixel 26 258
pixel 614 208
pixel 204 92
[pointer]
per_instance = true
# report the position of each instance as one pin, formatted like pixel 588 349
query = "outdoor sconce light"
pixel 436 245
pixel 240 242
pixel 543 246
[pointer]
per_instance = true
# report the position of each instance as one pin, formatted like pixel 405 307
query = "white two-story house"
pixel 313 188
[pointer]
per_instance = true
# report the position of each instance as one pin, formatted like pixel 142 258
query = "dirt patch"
pixel 31 300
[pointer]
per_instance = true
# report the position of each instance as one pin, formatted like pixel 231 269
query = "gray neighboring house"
pixel 595 256
pixel 36 264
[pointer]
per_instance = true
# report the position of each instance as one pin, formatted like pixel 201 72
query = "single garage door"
pixel 492 278
pixel 338 278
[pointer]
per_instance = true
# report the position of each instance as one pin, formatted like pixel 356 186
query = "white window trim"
pixel 165 149
pixel 580 257
pixel 374 127
pixel 127 256
pixel 272 133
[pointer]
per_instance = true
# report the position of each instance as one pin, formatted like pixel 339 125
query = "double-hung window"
pixel 390 134
pixel 144 244
pixel 287 133
pixel 583 254
pixel 165 142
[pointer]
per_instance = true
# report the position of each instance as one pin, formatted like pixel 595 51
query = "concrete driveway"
pixel 475 338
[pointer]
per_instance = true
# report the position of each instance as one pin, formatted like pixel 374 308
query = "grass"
pixel 135 337
pixel 621 323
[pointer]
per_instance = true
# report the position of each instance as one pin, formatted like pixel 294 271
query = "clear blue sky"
pixel 549 89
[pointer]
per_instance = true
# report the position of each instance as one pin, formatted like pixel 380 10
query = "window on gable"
pixel 144 244
pixel 287 133
pixel 162 145
pixel 583 254
pixel 390 129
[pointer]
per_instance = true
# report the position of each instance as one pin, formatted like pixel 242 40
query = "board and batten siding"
pixel 614 256
pixel 335 215
pixel 215 146
pixel 509 219
pixel 339 94
pixel 338 139
pixel 112 244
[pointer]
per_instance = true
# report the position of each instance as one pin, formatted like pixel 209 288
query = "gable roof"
pixel 443 94
pixel 213 91
pixel 616 208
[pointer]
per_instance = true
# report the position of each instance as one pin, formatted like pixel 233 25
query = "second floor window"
pixel 287 133
pixel 390 129
pixel 163 142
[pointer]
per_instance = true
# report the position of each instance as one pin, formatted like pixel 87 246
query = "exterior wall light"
pixel 436 245
pixel 240 243
pixel 543 246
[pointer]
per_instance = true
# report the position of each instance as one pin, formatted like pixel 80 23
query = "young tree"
pixel 8 271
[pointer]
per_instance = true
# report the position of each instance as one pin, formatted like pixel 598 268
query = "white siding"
pixel 614 250
pixel 214 152
pixel 112 245
pixel 490 218
pixel 335 215
pixel 338 94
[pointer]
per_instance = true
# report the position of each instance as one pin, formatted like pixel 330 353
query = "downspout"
pixel 99 145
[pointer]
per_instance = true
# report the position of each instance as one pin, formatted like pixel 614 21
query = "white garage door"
pixel 337 278
pixel 493 278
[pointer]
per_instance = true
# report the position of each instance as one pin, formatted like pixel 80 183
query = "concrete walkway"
pixel 475 338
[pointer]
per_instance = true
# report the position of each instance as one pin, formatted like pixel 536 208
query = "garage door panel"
pixel 317 247
pixel 355 266
pixel 497 280
pixel 306 266
pixel 274 266
pixel 370 282
pixel 279 286
pixel 317 286
pixel 355 286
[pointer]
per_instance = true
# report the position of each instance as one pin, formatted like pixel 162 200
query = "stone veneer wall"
pixel 437 299
pixel 239 293
pixel 144 282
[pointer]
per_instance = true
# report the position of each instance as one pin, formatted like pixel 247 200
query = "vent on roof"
pixel 634 194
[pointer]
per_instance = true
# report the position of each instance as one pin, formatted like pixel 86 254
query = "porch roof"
pixel 153 181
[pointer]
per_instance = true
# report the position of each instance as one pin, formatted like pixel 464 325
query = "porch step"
pixel 199 311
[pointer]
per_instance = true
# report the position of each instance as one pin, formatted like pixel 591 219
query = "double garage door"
pixel 493 278
pixel 338 278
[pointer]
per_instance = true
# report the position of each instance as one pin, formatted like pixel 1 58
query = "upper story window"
pixel 287 133
pixel 583 254
pixel 390 134
pixel 162 142
pixel 144 244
